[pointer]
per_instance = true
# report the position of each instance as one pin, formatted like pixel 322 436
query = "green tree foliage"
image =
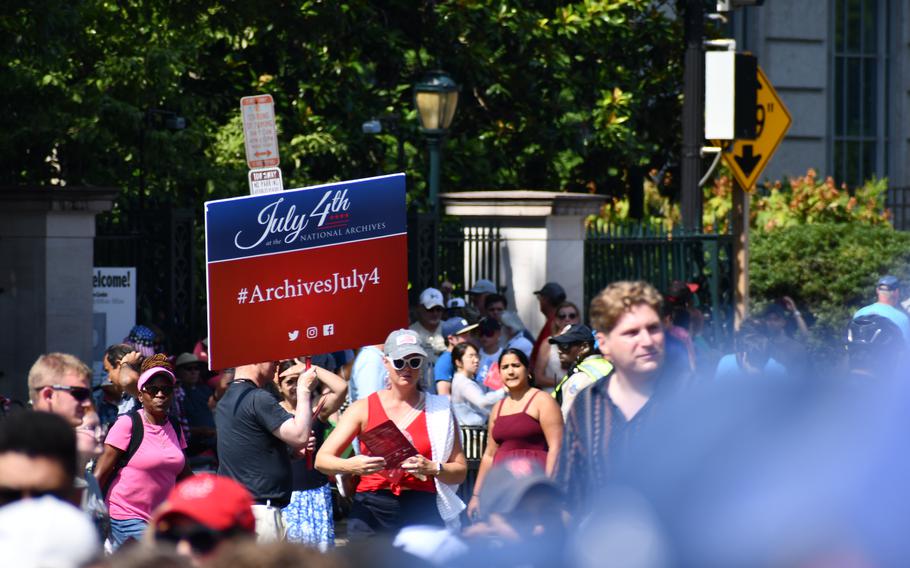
pixel 555 95
pixel 831 268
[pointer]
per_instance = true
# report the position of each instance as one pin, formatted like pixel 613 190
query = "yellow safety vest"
pixel 595 367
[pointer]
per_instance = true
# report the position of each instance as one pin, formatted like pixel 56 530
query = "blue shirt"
pixel 445 369
pixel 368 375
pixel 898 317
pixel 728 368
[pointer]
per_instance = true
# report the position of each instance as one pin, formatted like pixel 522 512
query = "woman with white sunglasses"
pixel 421 490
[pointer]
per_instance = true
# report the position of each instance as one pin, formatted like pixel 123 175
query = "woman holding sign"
pixel 411 461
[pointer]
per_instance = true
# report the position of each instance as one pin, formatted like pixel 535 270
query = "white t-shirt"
pixel 486 361
pixel 470 403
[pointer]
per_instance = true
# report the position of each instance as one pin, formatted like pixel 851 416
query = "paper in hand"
pixel 387 441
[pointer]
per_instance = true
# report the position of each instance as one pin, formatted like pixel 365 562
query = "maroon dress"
pixel 519 435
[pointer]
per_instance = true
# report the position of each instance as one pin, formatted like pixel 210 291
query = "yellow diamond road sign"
pixel 748 158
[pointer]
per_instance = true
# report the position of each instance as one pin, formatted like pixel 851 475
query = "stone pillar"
pixel 543 240
pixel 46 257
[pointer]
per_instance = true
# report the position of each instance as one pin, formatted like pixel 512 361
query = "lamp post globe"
pixel 436 98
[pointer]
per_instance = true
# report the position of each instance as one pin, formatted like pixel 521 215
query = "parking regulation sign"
pixel 260 136
pixel 265 180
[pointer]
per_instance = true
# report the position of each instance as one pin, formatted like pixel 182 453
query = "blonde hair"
pixel 618 298
pixel 50 368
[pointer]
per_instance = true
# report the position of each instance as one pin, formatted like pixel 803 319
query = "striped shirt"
pixel 596 434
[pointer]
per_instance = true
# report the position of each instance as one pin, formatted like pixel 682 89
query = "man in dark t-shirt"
pixel 254 433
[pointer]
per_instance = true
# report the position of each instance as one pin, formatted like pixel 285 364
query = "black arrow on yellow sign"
pixel 747 162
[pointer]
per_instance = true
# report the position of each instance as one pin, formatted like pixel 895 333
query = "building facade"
pixel 841 68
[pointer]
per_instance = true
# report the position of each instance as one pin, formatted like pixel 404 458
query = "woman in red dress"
pixel 527 423
pixel 422 490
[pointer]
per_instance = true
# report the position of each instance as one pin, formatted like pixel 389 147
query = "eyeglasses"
pixel 413 362
pixel 201 539
pixel 81 394
pixel 154 390
pixel 10 495
pixel 569 315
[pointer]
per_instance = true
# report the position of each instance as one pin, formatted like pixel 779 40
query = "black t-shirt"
pixel 247 451
pixel 305 476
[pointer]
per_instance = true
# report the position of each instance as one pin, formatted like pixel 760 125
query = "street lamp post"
pixel 436 98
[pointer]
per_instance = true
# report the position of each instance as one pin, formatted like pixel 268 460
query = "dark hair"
pixel 522 358
pixel 115 353
pixel 40 434
pixel 494 298
pixel 459 351
pixel 752 341
pixel 285 365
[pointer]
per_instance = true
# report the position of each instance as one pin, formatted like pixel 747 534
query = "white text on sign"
pixel 337 282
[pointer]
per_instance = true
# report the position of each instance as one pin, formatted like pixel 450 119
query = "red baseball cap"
pixel 218 502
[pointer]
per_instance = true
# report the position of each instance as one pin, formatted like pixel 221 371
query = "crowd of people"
pixel 629 439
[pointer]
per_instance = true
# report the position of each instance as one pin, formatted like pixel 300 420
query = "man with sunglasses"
pixel 202 513
pixel 37 457
pixel 586 365
pixel 60 383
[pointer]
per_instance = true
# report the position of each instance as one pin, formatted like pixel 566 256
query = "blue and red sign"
pixel 306 271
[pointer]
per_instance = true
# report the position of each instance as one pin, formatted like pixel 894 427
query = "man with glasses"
pixel 253 435
pixel 61 384
pixel 39 524
pixel 37 457
pixel 202 513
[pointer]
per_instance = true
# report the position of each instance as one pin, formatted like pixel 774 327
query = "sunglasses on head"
pixel 154 390
pixel 10 495
pixel 413 362
pixel 81 394
pixel 201 539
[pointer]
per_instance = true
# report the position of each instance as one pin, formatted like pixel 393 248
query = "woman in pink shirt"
pixel 135 489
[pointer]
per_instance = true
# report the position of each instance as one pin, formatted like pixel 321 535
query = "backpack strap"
pixel 137 432
pixel 178 429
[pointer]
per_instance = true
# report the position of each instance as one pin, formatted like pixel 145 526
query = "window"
pixel 860 90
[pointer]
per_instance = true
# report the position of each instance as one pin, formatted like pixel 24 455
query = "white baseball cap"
pixel 432 298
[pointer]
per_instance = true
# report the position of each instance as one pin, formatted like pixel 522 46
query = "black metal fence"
pixel 642 253
pixel 446 249
pixel 160 241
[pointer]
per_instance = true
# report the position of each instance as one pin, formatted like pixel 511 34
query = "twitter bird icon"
pixel 292 335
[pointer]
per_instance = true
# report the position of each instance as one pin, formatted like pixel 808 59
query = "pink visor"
pixel 144 377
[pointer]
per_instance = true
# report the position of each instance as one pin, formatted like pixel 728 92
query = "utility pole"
pixel 693 120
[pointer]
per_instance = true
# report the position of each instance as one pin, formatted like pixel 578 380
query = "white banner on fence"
pixel 114 312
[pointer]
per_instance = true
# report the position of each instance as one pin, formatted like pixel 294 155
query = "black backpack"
pixel 137 433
